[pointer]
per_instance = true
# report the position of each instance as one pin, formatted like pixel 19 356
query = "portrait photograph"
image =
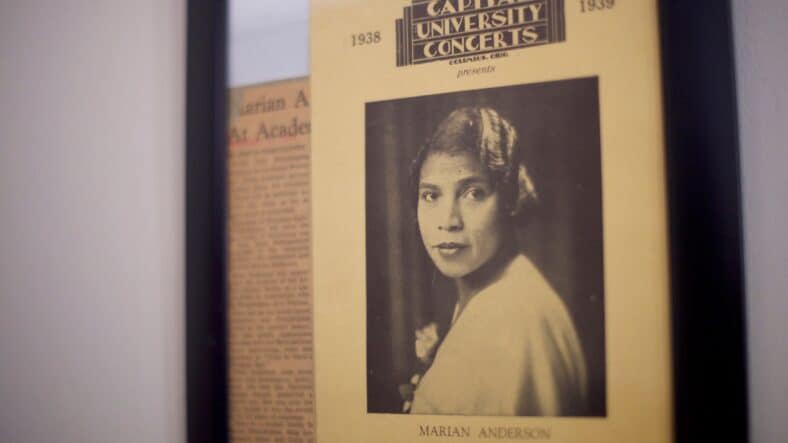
pixel 484 253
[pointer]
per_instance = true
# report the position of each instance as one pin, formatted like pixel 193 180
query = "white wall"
pixel 269 40
pixel 761 37
pixel 91 221
pixel 91 216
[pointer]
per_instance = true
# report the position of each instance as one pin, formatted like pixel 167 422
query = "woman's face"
pixel 458 213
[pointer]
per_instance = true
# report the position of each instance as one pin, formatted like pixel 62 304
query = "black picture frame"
pixel 206 350
pixel 702 160
pixel 705 218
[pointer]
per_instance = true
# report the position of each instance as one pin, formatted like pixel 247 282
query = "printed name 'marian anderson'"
pixel 487 432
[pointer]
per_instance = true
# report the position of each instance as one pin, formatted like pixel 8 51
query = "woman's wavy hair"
pixel 482 132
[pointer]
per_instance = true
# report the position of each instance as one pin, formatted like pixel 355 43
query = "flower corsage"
pixel 426 343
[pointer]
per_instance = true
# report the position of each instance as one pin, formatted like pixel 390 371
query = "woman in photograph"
pixel 512 348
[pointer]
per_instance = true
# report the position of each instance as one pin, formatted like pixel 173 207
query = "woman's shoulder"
pixel 519 310
pixel 514 335
pixel 521 293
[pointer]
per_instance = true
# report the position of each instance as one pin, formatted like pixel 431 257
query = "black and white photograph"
pixel 484 253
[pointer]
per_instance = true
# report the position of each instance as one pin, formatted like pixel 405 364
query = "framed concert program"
pixel 476 220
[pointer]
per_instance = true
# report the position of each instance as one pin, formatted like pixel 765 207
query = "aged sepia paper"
pixel 271 391
pixel 489 222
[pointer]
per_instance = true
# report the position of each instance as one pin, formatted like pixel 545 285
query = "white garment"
pixel 512 351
